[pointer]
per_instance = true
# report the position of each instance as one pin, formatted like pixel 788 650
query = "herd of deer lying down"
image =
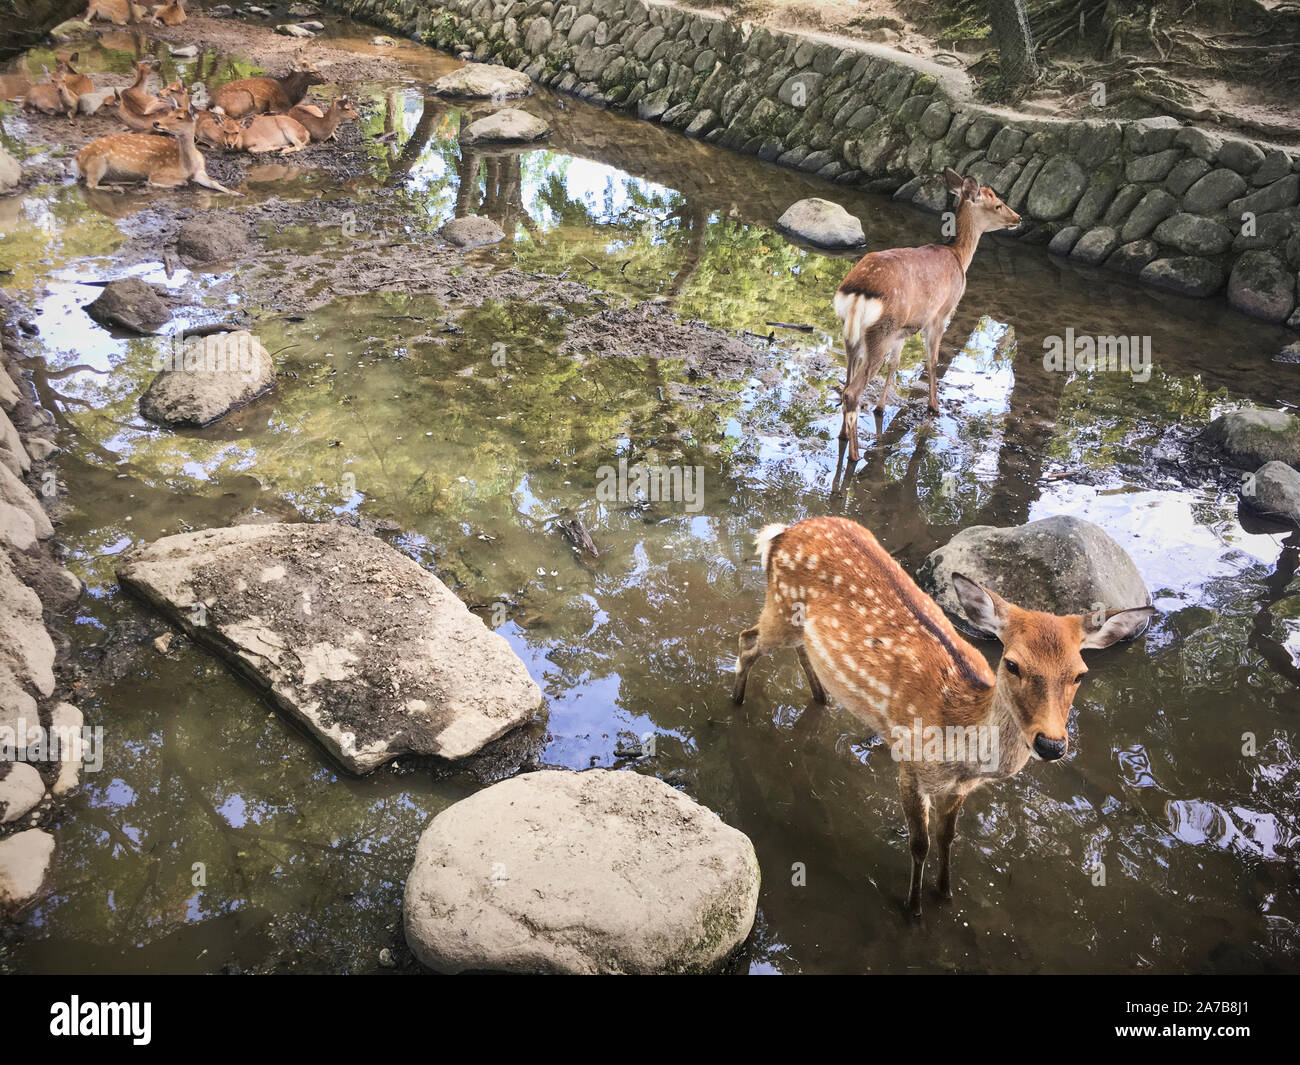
pixel 262 114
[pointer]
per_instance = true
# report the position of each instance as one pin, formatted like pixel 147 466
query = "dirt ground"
pixel 1188 62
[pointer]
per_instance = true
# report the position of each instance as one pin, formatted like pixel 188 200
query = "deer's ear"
pixel 1117 625
pixel 73 58
pixel 970 189
pixel 953 180
pixel 986 609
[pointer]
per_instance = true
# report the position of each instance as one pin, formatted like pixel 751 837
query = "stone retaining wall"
pixel 34 588
pixel 1186 209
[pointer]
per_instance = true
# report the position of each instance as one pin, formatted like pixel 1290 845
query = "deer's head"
pixel 1041 667
pixel 175 123
pixel 64 63
pixel 988 211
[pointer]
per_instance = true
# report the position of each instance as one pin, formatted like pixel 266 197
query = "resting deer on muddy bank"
pixel 160 161
pixel 270 133
pixel 251 96
pixel 52 97
pixel 890 295
pixel 868 636
pixel 323 125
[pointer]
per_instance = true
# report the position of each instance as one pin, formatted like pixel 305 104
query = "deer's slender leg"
pixel 949 809
pixel 916 808
pixel 864 369
pixel 749 653
pixel 933 338
pixel 818 692
pixel 853 355
pixel 891 369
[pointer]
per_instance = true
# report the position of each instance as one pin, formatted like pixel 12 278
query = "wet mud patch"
pixel 274 52
pixel 650 330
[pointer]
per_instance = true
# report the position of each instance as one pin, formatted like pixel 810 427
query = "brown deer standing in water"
pixel 867 635
pixel 323 125
pixel 250 96
pixel 160 161
pixel 891 294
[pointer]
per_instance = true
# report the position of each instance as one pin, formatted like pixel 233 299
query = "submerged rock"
pixel 483 81
pixel 1186 275
pixel 507 126
pixel 371 652
pixel 212 376
pixel 24 864
pixel 594 872
pixel 1274 492
pixel 821 222
pixel 1250 438
pixel 1062 565
pixel 472 231
pixel 130 304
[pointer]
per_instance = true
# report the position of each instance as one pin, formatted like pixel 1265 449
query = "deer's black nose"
pixel 1048 750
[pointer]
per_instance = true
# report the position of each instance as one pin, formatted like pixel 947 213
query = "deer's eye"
pixel 1012 667
pixel 1079 678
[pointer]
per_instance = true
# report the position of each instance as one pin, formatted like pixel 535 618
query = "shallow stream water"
pixel 386 412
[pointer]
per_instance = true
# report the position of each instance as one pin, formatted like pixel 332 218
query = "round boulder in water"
pixel 823 223
pixel 1251 437
pixel 594 872
pixel 130 304
pixel 1061 565
pixel 472 231
pixel 507 126
pixel 208 378
pixel 483 81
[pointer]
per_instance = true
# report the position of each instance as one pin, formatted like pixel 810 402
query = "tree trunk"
pixel 1010 25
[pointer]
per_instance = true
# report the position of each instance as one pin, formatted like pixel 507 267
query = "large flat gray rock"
pixel 483 81
pixel 1060 565
pixel 823 223
pixel 507 126
pixel 372 653
pixel 594 872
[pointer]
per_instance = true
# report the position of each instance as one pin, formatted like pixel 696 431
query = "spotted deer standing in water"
pixel 868 636
pixel 891 294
